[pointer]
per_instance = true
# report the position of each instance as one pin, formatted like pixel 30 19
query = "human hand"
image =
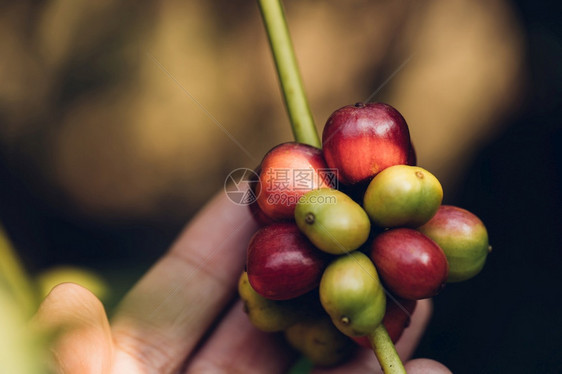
pixel 184 314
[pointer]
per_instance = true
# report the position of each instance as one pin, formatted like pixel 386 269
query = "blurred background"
pixel 117 123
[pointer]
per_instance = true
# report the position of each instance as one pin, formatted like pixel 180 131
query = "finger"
pixel 365 360
pixel 83 342
pixel 171 307
pixel 238 347
pixel 426 366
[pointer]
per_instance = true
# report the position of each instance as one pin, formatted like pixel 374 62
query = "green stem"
pixel 300 116
pixel 386 352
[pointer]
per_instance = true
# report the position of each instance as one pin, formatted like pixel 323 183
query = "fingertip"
pixel 69 303
pixel 426 366
pixel 75 319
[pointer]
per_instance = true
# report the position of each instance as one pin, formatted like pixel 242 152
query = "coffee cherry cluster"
pixel 352 235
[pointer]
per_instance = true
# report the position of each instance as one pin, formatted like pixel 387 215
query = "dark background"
pixel 507 319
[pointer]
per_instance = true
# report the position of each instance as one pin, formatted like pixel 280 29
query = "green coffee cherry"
pixel 402 195
pixel 464 239
pixel 351 293
pixel 332 221
pixel 320 341
pixel 268 315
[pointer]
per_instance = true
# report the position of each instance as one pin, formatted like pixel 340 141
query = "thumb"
pixel 82 336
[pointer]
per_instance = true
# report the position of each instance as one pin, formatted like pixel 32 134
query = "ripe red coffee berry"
pixel 288 171
pixel 361 140
pixel 282 263
pixel 410 264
